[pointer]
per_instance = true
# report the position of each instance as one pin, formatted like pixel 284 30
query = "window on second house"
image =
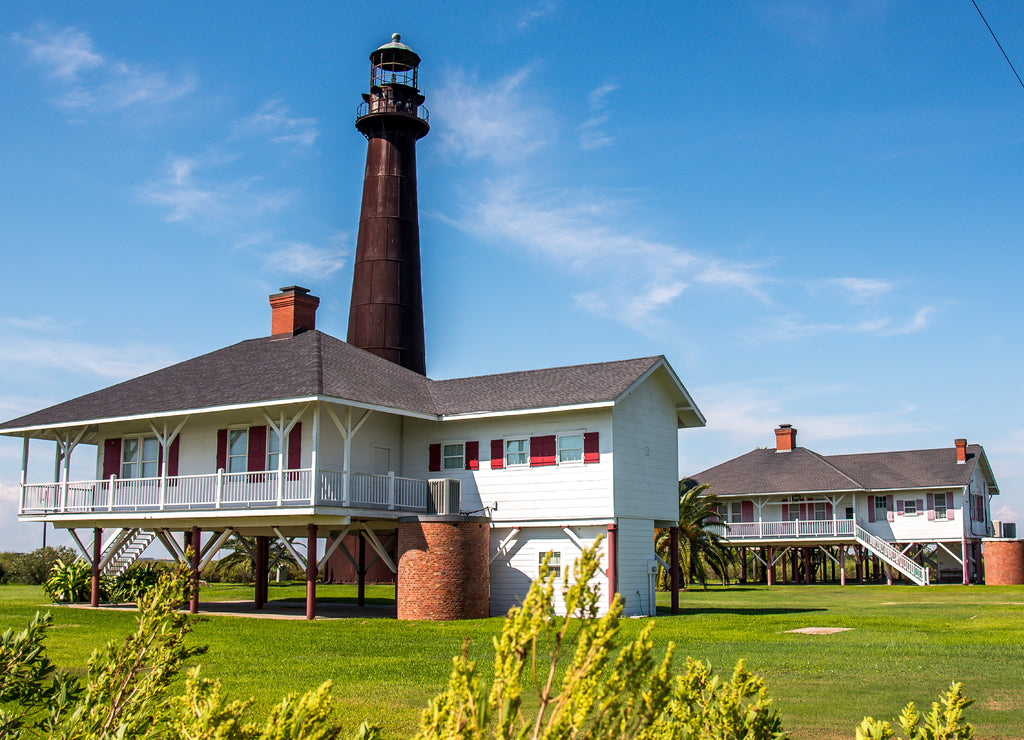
pixel 820 511
pixel 140 457
pixel 273 449
pixel 881 510
pixel 238 450
pixel 570 448
pixel 736 512
pixel 517 451
pixel 453 456
pixel 554 562
pixel 940 506
pixel 910 507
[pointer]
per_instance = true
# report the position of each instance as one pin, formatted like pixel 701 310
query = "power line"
pixel 997 43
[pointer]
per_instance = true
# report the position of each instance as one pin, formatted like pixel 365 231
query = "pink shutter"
pixel 222 449
pixel 920 505
pixel 111 457
pixel 497 454
pixel 931 506
pixel 828 509
pixel 747 511
pixel 295 447
pixel 472 455
pixel 172 457
pixel 785 512
pixel 591 447
pixel 891 514
pixel 435 458
pixel 257 458
pixel 949 507
pixel 871 508
pixel 803 513
pixel 542 450
pixel 899 507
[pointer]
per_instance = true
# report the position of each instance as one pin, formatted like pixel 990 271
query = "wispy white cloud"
pixel 490 121
pixel 189 192
pixel 10 494
pixel 275 121
pixel 82 358
pixel 92 82
pixel 531 14
pixel 36 323
pixel 792 326
pixel 917 322
pixel 861 290
pixel 306 260
pixel 592 133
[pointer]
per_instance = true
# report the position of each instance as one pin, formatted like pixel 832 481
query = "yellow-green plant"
pixel 582 691
pixel 944 722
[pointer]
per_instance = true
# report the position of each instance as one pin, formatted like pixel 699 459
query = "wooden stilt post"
pixel 193 606
pixel 769 570
pixel 808 565
pixel 361 575
pixel 97 553
pixel 743 565
pixel 842 565
pixel 260 569
pixel 311 571
pixel 673 568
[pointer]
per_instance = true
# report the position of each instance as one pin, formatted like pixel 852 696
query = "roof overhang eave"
pixel 523 412
pixel 687 413
pixel 26 431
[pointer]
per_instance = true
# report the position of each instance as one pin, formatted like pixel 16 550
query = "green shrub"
pixel 70 582
pixel 32 568
pixel 136 582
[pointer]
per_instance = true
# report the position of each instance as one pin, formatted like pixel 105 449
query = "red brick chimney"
pixel 785 438
pixel 961 451
pixel 292 311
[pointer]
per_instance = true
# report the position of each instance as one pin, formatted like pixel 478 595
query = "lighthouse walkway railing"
pixel 221 490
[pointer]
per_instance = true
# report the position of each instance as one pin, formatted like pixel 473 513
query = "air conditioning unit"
pixel 1009 530
pixel 445 497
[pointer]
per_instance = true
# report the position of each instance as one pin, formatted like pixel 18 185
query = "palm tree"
pixel 700 548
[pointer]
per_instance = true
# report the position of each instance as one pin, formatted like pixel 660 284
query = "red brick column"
pixel 443 568
pixel 1004 562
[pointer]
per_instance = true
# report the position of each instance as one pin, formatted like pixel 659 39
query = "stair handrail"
pixel 892 555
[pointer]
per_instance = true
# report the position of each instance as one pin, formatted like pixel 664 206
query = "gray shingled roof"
pixel 802 471
pixel 314 363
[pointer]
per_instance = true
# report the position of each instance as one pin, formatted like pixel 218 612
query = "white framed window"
pixel 736 512
pixel 820 511
pixel 517 452
pixel 453 456
pixel 881 509
pixel 910 507
pixel 140 457
pixel 793 513
pixel 238 450
pixel 570 447
pixel 273 449
pixel 940 506
pixel 554 562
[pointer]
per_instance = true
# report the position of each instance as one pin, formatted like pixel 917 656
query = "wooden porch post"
pixel 260 572
pixel 769 570
pixel 842 565
pixel 311 571
pixel 97 552
pixel 673 566
pixel 808 566
pixel 613 546
pixel 193 606
pixel 743 565
pixel 361 568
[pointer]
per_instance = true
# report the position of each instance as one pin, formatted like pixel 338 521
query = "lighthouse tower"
pixel 386 313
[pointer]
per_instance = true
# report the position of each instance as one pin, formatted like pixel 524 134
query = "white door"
pixel 381 460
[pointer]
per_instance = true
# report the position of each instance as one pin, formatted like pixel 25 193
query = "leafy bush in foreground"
pixel 69 582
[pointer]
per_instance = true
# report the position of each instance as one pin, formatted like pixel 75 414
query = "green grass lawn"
pixel 906 643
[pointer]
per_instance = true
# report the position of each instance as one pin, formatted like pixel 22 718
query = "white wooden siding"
pixel 647 452
pixel 636 549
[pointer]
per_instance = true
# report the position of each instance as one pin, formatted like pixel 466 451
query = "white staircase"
pixel 123 549
pixel 889 554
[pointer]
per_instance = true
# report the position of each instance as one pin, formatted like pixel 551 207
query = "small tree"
pixel 700 548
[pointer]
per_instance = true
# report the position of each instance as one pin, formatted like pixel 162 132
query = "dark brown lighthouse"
pixel 386 314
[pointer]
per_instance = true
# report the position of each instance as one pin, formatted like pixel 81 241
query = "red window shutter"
pixel 747 511
pixel 497 454
pixel 899 507
pixel 222 449
pixel 542 450
pixel 785 512
pixel 257 459
pixel 295 447
pixel 931 506
pixel 920 505
pixel 949 507
pixel 890 509
pixel 172 457
pixel 435 458
pixel 472 455
pixel 871 508
pixel 591 447
pixel 803 512
pixel 111 457
pixel 828 509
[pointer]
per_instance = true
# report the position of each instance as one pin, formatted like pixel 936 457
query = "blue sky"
pixel 813 209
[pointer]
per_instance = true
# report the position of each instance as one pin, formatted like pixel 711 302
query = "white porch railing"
pixel 811 529
pixel 292 488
